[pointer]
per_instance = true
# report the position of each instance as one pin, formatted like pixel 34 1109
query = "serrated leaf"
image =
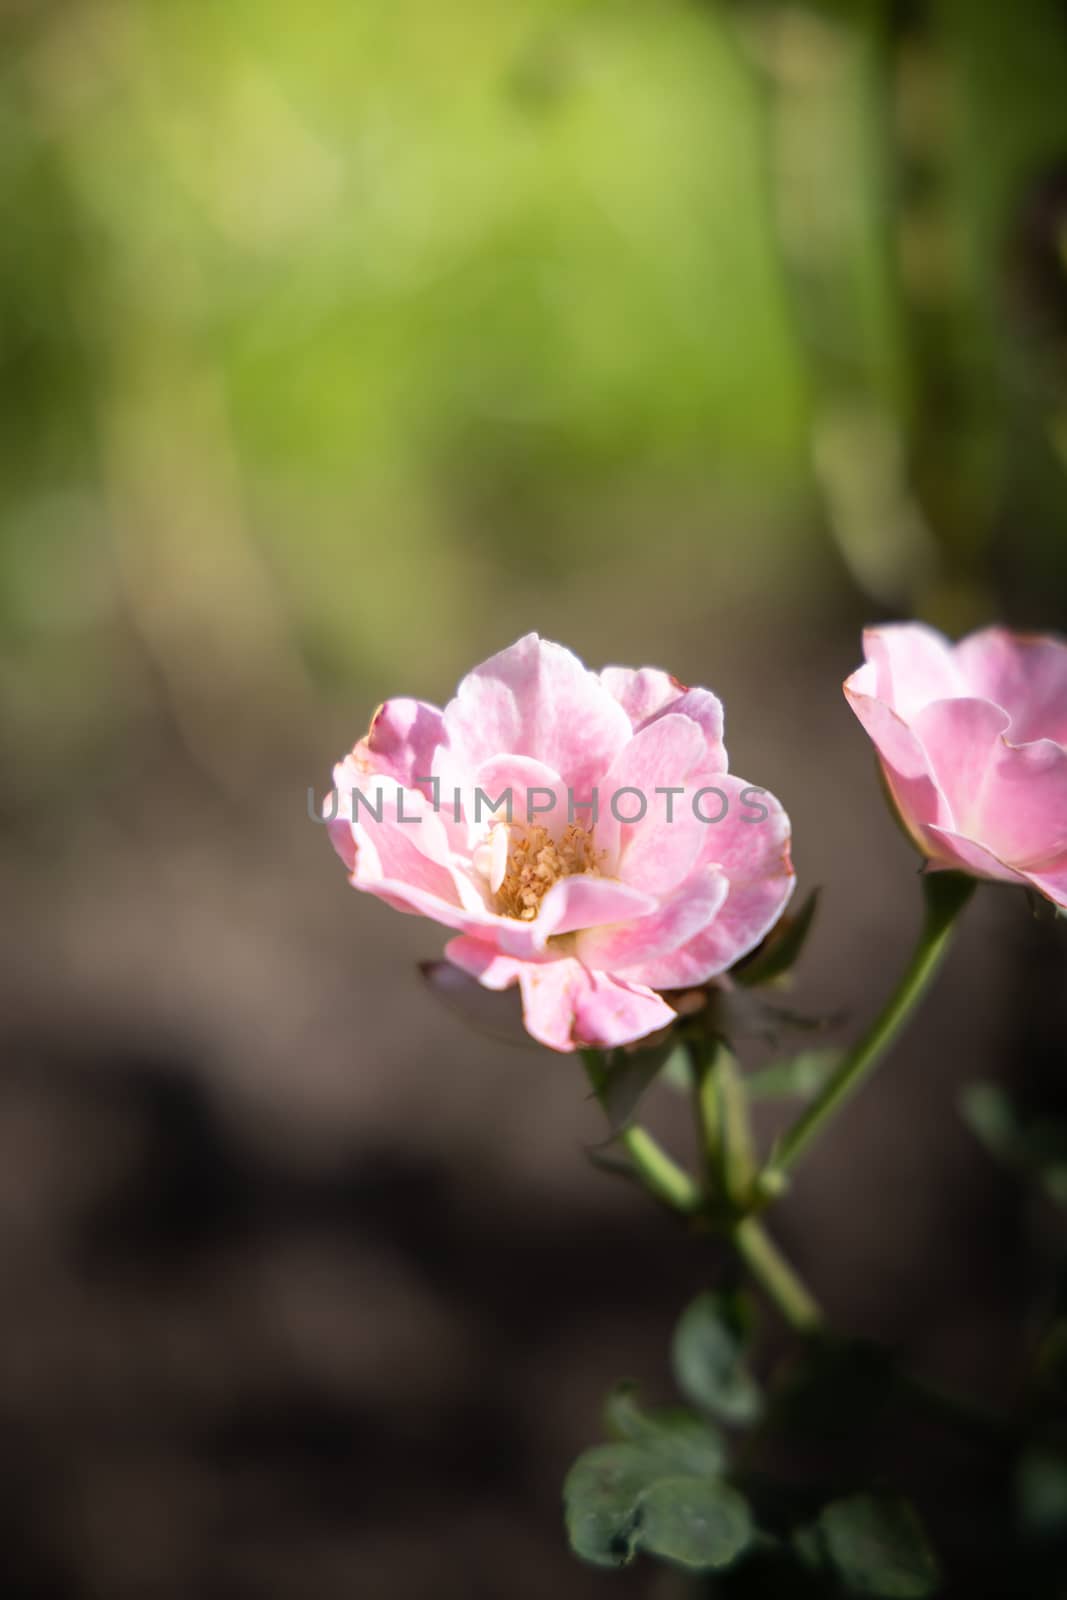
pixel 741 1013
pixel 798 1077
pixel 877 1545
pixel 600 1496
pixel 626 1077
pixel 782 947
pixel 684 1443
pixel 695 1523
pixel 708 1355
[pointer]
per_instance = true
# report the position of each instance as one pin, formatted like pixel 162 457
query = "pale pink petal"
pixel 1022 815
pixel 913 665
pixel 403 736
pixel 519 940
pixel 1010 798
pixel 390 850
pixel 484 962
pixel 1027 675
pixel 537 699
pixel 962 739
pixel 753 853
pixel 950 851
pixel 537 792
pixel 641 691
pixel 653 853
pixel 586 901
pixel 565 1007
pixel 630 947
pixel 904 761
pixel 648 693
pixel 366 797
pixel 1052 882
pixel 339 829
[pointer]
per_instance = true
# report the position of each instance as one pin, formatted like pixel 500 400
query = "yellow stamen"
pixel 536 861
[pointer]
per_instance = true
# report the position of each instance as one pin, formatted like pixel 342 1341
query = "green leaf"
pixel 990 1115
pixel 708 1355
pixel 678 1071
pixel 620 1498
pixel 695 1523
pixel 740 1013
pixel 782 946
pixel 1041 1488
pixel 877 1545
pixel 1037 1148
pixel 627 1076
pixel 799 1077
pixel 600 1496
pixel 684 1443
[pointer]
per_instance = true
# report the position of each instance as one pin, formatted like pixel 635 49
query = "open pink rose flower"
pixel 973 743
pixel 592 888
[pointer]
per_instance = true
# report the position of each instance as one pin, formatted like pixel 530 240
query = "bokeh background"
pixel 340 344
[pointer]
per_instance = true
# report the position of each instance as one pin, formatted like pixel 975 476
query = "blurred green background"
pixel 338 336
pixel 341 344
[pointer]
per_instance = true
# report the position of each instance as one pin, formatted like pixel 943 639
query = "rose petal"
pixel 913 665
pixel 538 793
pixel 1025 675
pixel 962 739
pixel 648 693
pixel 753 854
pixel 653 854
pixel 631 947
pixel 1012 799
pixel 951 851
pixel 565 1006
pixel 586 901
pixel 484 962
pixel 1052 882
pixel 904 761
pixel 403 737
pixel 537 699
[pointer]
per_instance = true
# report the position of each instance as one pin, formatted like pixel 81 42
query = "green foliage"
pixel 876 1545
pixel 687 1444
pixel 696 1523
pixel 709 1358
pixel 798 1077
pixel 782 947
pixel 625 1076
pixel 620 1498
pixel 1036 1148
pixel 1041 1492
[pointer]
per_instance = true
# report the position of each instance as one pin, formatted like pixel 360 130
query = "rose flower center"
pixel 536 861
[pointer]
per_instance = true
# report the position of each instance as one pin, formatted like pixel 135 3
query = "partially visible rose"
pixel 591 920
pixel 972 739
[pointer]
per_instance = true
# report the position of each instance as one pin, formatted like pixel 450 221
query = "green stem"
pixel 946 895
pixel 659 1172
pixel 738 1149
pixel 776 1277
pixel 701 1053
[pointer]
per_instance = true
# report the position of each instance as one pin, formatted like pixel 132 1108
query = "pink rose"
pixel 590 913
pixel 973 743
